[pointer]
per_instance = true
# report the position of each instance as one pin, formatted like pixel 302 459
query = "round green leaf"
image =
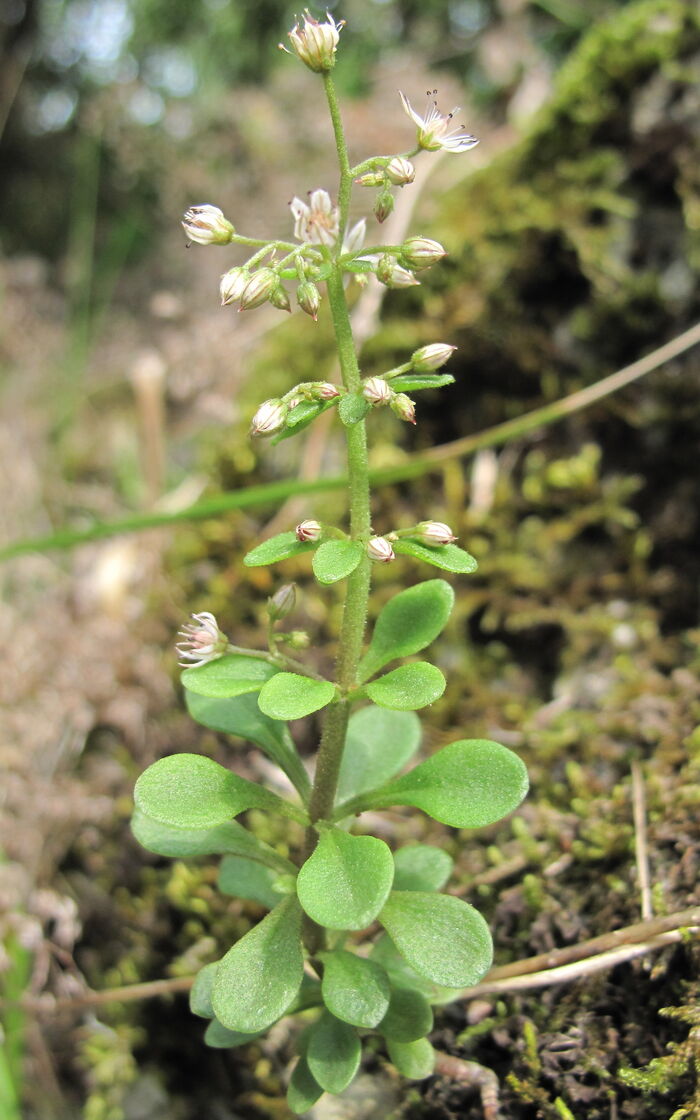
pixel 333 1053
pixel 446 556
pixel 291 696
pixel 355 989
pixel 334 560
pixel 280 547
pixel 407 624
pixel 259 977
pixel 420 867
pixel 440 936
pixel 304 1090
pixel 200 992
pixel 414 1060
pixel 231 675
pixel 246 878
pixel 229 838
pixel 409 1016
pixel 468 784
pixel 191 791
pixel 408 687
pixel 378 744
pixel 345 881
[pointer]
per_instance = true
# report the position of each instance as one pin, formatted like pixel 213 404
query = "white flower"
pixel 400 171
pixel 376 390
pixel 315 42
pixel 318 221
pixel 269 418
pixel 379 548
pixel 207 225
pixel 435 533
pixel 233 284
pixel 202 640
pixel 308 531
pixel 437 130
pixel 431 357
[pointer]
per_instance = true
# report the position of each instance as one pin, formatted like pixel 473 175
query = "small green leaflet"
pixel 280 547
pixel 378 744
pixel 334 560
pixel 345 881
pixel 408 687
pixel 191 791
pixel 420 867
pixel 355 989
pixel 467 784
pixel 200 993
pixel 291 696
pixel 446 556
pixel 440 936
pixel 304 1090
pixel 220 1037
pixel 228 838
pixel 408 623
pixel 259 977
pixel 353 408
pixel 414 1060
pixel 230 675
pixel 245 878
pixel 408 1017
pixel 411 382
pixel 333 1053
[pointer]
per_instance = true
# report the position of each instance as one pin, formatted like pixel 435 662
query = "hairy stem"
pixel 357 594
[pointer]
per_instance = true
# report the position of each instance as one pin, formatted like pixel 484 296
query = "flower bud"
pixel 279 299
pixel 308 531
pixel 315 42
pixel 379 548
pixel 282 602
pixel 396 276
pixel 269 418
pixel 325 391
pixel 383 205
pixel 434 533
pixel 258 288
pixel 207 225
pixel 377 391
pixel 421 252
pixel 202 641
pixel 371 179
pixel 400 171
pixel 403 407
pixel 309 298
pixel 232 285
pixel 432 357
pixel 296 639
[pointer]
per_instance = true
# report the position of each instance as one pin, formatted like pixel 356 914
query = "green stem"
pixel 343 160
pixel 357 594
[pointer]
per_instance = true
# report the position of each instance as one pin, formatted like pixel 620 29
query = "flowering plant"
pixel 358 938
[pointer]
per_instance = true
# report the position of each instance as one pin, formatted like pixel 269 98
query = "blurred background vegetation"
pixel 574 240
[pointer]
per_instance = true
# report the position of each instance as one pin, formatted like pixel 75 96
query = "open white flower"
pixel 314 42
pixel 437 130
pixel 318 222
pixel 202 640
